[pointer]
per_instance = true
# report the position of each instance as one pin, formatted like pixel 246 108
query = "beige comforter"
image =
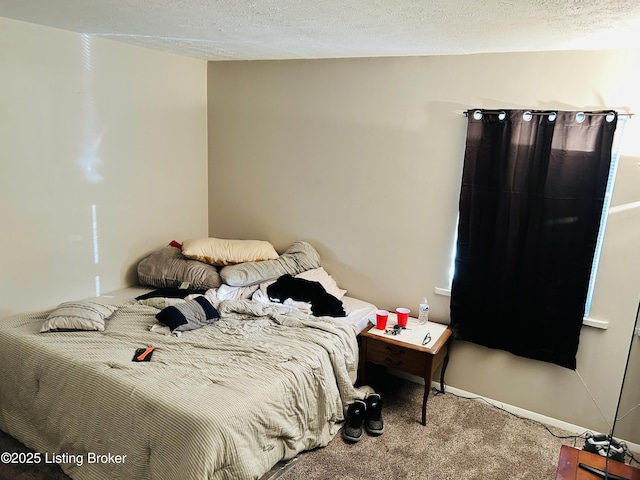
pixel 227 401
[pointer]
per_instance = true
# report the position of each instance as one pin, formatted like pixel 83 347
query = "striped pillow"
pixel 75 316
pixel 190 315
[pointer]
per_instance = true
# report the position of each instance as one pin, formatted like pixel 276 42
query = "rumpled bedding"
pixel 227 401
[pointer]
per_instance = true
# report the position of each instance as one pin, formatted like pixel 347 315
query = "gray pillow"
pixel 75 316
pixel 167 267
pixel 298 258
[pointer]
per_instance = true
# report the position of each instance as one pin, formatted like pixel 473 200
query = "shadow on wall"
pixel 355 282
pixel 130 271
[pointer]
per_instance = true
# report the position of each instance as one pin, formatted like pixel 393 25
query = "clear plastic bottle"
pixel 423 312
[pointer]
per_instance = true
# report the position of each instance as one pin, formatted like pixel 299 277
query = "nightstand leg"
pixel 428 375
pixel 427 387
pixel 445 362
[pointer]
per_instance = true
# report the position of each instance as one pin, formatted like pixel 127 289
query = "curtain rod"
pixel 595 114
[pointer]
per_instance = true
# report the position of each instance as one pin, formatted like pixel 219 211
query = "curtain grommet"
pixel 580 116
pixel 527 116
pixel 610 117
pixel 553 116
pixel 477 115
pixel 502 115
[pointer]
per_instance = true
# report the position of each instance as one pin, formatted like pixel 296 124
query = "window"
pixel 615 157
pixel 532 199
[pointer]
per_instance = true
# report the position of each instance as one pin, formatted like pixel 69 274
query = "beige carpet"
pixel 463 440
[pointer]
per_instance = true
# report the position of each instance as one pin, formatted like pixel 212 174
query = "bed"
pixel 259 385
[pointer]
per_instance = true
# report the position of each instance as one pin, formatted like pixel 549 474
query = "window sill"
pixel 590 322
pixel 443 291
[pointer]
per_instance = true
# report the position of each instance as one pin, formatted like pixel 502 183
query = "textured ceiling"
pixel 289 29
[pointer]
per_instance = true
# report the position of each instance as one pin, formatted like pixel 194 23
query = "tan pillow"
pixel 220 251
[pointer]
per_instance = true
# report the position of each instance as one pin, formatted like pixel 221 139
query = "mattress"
pixel 227 401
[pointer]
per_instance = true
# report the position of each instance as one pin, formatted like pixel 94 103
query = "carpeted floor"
pixel 463 440
pixel 15 471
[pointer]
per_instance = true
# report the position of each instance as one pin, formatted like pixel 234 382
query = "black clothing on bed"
pixel 170 292
pixel 302 290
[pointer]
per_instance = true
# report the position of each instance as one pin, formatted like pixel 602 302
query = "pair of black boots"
pixel 367 412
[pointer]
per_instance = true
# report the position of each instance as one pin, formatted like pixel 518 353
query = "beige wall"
pixel 92 129
pixel 363 157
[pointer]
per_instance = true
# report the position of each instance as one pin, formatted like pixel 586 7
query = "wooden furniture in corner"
pixel 392 352
pixel 571 458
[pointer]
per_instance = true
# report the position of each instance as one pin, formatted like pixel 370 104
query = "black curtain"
pixel 533 188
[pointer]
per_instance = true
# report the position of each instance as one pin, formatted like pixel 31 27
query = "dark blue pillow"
pixel 190 315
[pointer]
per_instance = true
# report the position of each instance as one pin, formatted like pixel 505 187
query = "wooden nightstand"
pixel 405 354
pixel 571 458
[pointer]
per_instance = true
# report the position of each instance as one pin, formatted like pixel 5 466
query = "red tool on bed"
pixel 143 354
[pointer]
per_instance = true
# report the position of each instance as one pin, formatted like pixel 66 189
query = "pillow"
pixel 167 267
pixel 74 316
pixel 219 251
pixel 227 292
pixel 298 258
pixel 189 315
pixel 321 276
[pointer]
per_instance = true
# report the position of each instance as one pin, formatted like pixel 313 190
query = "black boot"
pixel 352 430
pixel 373 419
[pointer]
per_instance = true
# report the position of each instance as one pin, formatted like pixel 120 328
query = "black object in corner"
pixel 601 473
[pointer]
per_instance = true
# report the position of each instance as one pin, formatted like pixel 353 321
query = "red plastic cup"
pixel 403 316
pixel 381 319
